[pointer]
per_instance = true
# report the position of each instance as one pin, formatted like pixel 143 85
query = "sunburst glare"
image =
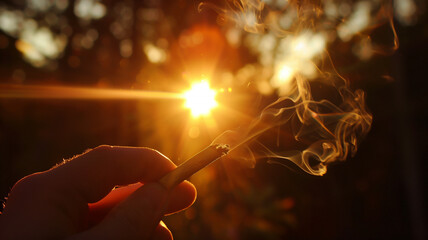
pixel 200 99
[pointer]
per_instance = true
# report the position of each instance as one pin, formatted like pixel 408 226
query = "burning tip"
pixel 222 148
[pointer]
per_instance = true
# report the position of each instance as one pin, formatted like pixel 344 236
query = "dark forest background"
pixel 378 194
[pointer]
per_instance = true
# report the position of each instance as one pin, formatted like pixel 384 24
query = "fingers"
pixel 93 174
pixel 62 193
pixel 184 195
pixel 162 232
pixel 137 217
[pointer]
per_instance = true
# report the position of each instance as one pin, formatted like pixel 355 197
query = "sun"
pixel 200 99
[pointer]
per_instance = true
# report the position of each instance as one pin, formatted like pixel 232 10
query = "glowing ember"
pixel 200 99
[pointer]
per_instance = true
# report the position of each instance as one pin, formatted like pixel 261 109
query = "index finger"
pixel 94 173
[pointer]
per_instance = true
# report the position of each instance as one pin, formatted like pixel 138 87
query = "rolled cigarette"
pixel 194 164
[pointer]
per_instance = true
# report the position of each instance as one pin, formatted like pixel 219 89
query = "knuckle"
pixel 102 149
pixel 155 154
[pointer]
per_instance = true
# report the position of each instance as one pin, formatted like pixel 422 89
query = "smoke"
pixel 327 132
pixel 318 119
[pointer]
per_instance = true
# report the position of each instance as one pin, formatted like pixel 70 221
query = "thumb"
pixel 134 218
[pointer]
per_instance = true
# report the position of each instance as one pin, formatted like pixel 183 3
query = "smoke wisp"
pixel 318 118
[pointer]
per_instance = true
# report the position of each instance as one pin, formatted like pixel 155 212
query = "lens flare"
pixel 79 93
pixel 200 99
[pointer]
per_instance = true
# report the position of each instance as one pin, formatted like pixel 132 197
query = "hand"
pixel 65 201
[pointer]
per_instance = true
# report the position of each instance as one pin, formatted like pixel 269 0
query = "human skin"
pixel 75 200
